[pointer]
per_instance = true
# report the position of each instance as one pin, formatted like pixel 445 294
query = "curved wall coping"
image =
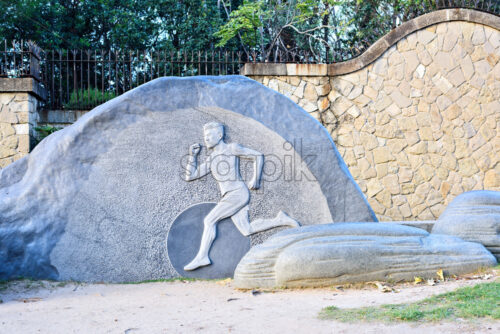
pixel 378 48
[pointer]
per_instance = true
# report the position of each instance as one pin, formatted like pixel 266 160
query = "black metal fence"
pixel 82 79
pixel 20 59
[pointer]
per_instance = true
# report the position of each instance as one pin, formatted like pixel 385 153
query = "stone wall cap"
pixel 307 69
pixel 263 69
pixel 23 85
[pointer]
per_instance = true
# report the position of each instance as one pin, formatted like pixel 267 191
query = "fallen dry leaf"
pixel 29 300
pixel 383 288
pixel 224 281
pixel 440 274
pixel 418 280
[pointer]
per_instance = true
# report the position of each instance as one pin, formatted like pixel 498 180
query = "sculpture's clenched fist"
pixel 194 149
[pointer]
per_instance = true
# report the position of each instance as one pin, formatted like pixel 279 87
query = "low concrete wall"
pixel 60 118
pixel 416 117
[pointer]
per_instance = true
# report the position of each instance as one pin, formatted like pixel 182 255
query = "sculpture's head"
pixel 213 133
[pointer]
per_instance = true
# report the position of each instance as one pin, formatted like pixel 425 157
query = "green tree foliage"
pixel 188 24
pixel 337 28
pixel 117 24
pixel 244 23
pixel 321 27
pixel 340 29
pixel 371 19
pixel 267 25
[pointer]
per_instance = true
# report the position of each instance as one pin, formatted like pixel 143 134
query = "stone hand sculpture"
pixel 473 216
pixel 223 163
pixel 329 254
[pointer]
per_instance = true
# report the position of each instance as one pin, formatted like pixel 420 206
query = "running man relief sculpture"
pixel 223 163
pixel 120 209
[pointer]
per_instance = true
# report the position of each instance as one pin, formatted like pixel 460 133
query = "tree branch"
pixel 228 14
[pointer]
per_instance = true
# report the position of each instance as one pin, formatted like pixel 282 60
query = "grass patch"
pixel 4 285
pixel 45 131
pixel 25 282
pixel 28 283
pixel 175 279
pixel 480 301
pixel 86 99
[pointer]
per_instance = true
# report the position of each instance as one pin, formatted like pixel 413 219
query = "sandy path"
pixel 205 307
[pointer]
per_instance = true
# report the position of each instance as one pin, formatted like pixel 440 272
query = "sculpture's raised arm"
pixel 193 171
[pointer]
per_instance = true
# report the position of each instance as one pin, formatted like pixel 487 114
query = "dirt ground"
pixel 207 307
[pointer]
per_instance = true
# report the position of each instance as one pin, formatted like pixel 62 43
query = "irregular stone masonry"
pixel 18 117
pixel 418 126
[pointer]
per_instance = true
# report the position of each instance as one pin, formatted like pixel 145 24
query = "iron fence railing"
pixel 20 59
pixel 82 79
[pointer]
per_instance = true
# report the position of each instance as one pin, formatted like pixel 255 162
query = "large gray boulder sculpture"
pixel 473 216
pixel 96 201
pixel 323 255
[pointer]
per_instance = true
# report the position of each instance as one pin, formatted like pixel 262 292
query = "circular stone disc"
pixel 184 238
